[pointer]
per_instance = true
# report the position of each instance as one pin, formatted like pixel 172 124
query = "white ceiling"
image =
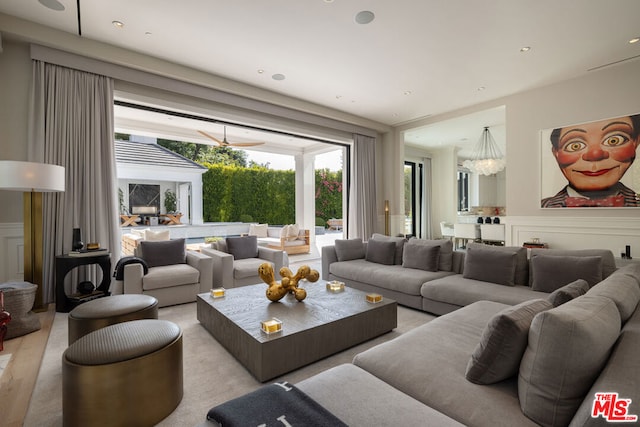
pixel 415 59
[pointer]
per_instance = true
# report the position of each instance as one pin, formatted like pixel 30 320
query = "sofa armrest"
pixel 328 256
pixel 204 264
pixel 132 283
pixel 221 267
pixel 276 256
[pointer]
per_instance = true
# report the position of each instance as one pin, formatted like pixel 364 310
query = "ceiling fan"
pixel 225 143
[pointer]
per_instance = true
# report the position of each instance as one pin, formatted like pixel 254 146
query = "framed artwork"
pixel 591 165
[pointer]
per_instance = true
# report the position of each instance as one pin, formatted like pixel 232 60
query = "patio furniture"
pixel 335 224
pixel 170 219
pixel 129 220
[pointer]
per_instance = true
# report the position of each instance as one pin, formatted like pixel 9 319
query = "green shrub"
pixel 246 218
pixel 320 222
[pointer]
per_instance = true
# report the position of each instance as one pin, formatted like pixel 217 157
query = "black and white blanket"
pixel 278 404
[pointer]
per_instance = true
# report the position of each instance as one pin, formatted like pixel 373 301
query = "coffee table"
pixel 323 324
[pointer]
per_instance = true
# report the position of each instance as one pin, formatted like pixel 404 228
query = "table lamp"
pixel 33 179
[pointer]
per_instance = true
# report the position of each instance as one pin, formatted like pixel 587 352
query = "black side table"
pixel 66 263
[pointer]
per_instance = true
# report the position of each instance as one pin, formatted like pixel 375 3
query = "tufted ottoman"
pixel 127 374
pixel 106 311
pixel 18 301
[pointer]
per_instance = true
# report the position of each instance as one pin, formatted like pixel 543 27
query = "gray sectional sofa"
pixel 542 364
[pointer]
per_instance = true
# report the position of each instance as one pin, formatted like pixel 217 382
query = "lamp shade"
pixel 31 176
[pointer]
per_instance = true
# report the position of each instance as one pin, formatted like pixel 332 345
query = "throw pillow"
pixel 623 290
pixel 155 236
pixel 348 249
pixel 551 272
pixel 242 247
pixel 445 262
pixel 568 347
pixel 490 266
pixel 522 260
pixel 139 232
pixel 503 342
pixel 258 230
pixel 568 292
pixel 164 252
pixel 422 257
pixel 381 252
pixel 399 241
pixel 290 232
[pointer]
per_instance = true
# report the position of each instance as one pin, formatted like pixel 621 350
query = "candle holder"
pixel 374 298
pixel 335 286
pixel 218 292
pixel 271 326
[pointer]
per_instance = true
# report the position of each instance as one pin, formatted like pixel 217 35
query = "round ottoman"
pixel 18 301
pixel 127 374
pixel 101 312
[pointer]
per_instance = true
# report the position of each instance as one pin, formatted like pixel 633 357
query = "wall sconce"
pixel 386 218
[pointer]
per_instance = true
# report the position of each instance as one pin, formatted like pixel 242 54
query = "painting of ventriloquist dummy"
pixel 591 164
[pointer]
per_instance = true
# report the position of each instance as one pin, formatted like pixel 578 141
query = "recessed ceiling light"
pixel 338 96
pixel 52 4
pixel 328 1
pixel 117 24
pixel 260 71
pixel 525 49
pixel 278 77
pixel 407 92
pixel 481 88
pixel 364 17
pixel 634 40
pixel 147 33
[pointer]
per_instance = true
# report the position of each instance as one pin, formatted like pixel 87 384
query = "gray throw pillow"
pixel 348 249
pixel 243 247
pixel 422 257
pixel 568 347
pixel 623 290
pixel 445 262
pixel 504 340
pixel 164 252
pixel 381 252
pixel 522 260
pixel 568 292
pixel 551 272
pixel 490 266
pixel 399 241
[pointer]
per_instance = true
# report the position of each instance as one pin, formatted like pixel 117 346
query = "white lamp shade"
pixel 31 176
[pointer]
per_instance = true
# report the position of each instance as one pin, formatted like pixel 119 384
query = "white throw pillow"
pixel 258 230
pixel 155 236
pixel 290 232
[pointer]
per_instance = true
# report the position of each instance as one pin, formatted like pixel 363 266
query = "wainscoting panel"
pixel 11 252
pixel 577 233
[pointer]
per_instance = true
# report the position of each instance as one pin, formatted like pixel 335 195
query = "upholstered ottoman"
pixel 127 374
pixel 18 301
pixel 106 311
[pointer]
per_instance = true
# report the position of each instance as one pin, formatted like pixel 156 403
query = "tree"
pixel 224 156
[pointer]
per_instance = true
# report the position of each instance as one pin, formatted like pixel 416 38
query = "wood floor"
pixel 19 377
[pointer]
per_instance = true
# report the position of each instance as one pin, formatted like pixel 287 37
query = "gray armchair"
pixel 236 260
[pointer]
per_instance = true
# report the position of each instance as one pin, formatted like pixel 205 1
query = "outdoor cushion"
pixel 166 252
pixel 568 292
pixel 154 236
pixel 381 252
pixel 503 342
pixel 290 232
pixel 568 347
pixel 258 230
pixel 445 262
pixel 423 257
pixel 242 247
pixel 490 266
pixel 348 249
pixel 551 272
pixel 522 262
pixel 623 290
pixel 399 241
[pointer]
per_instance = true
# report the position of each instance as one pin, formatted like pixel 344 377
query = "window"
pixel 463 191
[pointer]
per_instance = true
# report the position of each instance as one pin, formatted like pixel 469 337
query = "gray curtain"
pixel 362 192
pixel 71 124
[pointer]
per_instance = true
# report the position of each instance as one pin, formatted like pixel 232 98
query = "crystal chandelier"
pixel 487 158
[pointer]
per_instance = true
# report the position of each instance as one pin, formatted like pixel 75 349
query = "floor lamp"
pixel 33 179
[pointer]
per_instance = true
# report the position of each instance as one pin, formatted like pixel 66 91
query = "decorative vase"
pixel 5 317
pixel 77 240
pixel 86 287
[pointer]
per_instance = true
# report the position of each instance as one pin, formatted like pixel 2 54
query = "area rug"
pixel 211 375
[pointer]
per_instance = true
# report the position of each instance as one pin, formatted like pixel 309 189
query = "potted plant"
pixel 170 201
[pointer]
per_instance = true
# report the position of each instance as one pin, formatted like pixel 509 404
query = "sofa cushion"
pixel 258 230
pixel 568 347
pixel 166 252
pixel 622 289
pixel 521 276
pixel 155 236
pixel 423 257
pixel 608 261
pixel 490 266
pixel 399 241
pixel 551 272
pixel 503 342
pixel 247 267
pixel 242 247
pixel 168 276
pixel 445 262
pixel 381 252
pixel 348 249
pixel 568 292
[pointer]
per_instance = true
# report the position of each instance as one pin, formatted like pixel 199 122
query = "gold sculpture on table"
pixel 289 282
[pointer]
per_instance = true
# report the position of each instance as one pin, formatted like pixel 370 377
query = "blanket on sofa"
pixel 272 405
